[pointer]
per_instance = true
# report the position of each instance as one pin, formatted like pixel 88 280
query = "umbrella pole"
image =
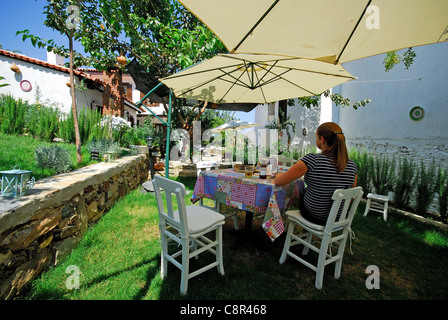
pixel 168 133
pixel 140 103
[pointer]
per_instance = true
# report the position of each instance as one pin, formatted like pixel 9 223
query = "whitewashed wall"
pixel 50 83
pixel 384 125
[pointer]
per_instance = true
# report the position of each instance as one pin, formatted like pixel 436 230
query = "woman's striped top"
pixel 322 179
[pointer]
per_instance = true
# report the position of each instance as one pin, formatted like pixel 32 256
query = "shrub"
pixel 12 115
pixel 364 164
pixel 382 174
pixel 426 186
pixel 104 146
pixel 48 122
pixel 404 183
pixel 442 190
pixel 90 126
pixel 54 157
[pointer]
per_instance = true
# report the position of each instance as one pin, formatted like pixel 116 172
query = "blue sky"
pixel 18 15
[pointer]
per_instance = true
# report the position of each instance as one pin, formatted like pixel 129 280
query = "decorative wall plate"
pixel 25 85
pixel 417 113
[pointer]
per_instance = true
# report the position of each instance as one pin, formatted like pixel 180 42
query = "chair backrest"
pixel 178 221
pixel 206 166
pixel 285 162
pixel 349 200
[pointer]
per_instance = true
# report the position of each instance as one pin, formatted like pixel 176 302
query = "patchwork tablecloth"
pixel 250 194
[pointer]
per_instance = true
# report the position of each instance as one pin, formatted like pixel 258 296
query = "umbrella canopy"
pixel 235 124
pixel 335 31
pixel 247 78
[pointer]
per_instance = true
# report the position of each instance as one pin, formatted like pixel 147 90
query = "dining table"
pixel 253 195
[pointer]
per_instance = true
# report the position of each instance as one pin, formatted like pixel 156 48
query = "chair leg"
pixel 321 262
pixel 164 261
pixel 235 222
pixel 219 257
pixel 194 247
pixel 386 204
pixel 341 249
pixel 185 266
pixel 338 268
pixel 367 207
pixel 287 242
pixel 308 239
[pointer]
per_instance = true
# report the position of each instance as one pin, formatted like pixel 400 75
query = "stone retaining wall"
pixel 38 230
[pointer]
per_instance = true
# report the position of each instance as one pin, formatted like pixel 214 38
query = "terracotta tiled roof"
pixel 48 65
pixel 59 68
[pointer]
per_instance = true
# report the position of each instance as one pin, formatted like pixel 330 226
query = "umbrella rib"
pixel 179 74
pixel 233 84
pixel 260 86
pixel 318 72
pixel 217 78
pixel 280 77
pixel 353 32
pixel 254 26
pixel 267 71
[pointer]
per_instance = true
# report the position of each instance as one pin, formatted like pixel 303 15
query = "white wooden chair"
pixel 378 203
pixel 186 226
pixel 285 162
pixel 333 232
pixel 205 166
pixel 232 213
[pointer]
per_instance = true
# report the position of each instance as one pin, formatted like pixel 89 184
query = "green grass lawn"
pixel 119 259
pixel 19 150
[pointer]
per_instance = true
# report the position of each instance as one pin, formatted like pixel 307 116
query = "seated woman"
pixel 324 173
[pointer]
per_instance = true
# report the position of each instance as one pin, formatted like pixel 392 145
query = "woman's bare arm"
pixel 295 172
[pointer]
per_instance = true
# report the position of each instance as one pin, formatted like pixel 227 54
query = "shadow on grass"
pixel 410 268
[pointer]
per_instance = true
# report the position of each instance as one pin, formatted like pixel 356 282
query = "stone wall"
pixel 41 228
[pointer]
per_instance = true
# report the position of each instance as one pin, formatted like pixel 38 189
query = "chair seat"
pixel 200 219
pixel 297 216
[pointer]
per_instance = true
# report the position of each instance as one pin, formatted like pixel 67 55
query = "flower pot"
pixel 158 166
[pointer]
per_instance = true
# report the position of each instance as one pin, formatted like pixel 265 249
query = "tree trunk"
pixel 283 107
pixel 75 112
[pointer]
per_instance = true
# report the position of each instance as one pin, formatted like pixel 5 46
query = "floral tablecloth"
pixel 250 194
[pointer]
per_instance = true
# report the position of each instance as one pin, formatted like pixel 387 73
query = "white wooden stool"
pixel 378 203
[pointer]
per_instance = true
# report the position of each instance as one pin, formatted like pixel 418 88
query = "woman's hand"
pixel 295 172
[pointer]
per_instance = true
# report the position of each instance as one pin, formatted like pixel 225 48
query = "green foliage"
pixel 47 125
pixel 12 114
pixel 442 191
pixel 137 135
pixel 54 157
pixel 338 99
pixel 426 182
pixel 383 173
pixel 90 126
pixel 393 58
pixel 404 183
pixel 104 146
pixel 20 150
pixel 364 163
pixel 17 117
pixel 280 126
pixel 3 84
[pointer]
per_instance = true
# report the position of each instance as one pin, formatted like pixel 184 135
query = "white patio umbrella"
pixel 236 125
pixel 251 78
pixel 335 31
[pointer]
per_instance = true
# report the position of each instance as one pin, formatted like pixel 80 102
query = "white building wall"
pixel 48 85
pixel 384 125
